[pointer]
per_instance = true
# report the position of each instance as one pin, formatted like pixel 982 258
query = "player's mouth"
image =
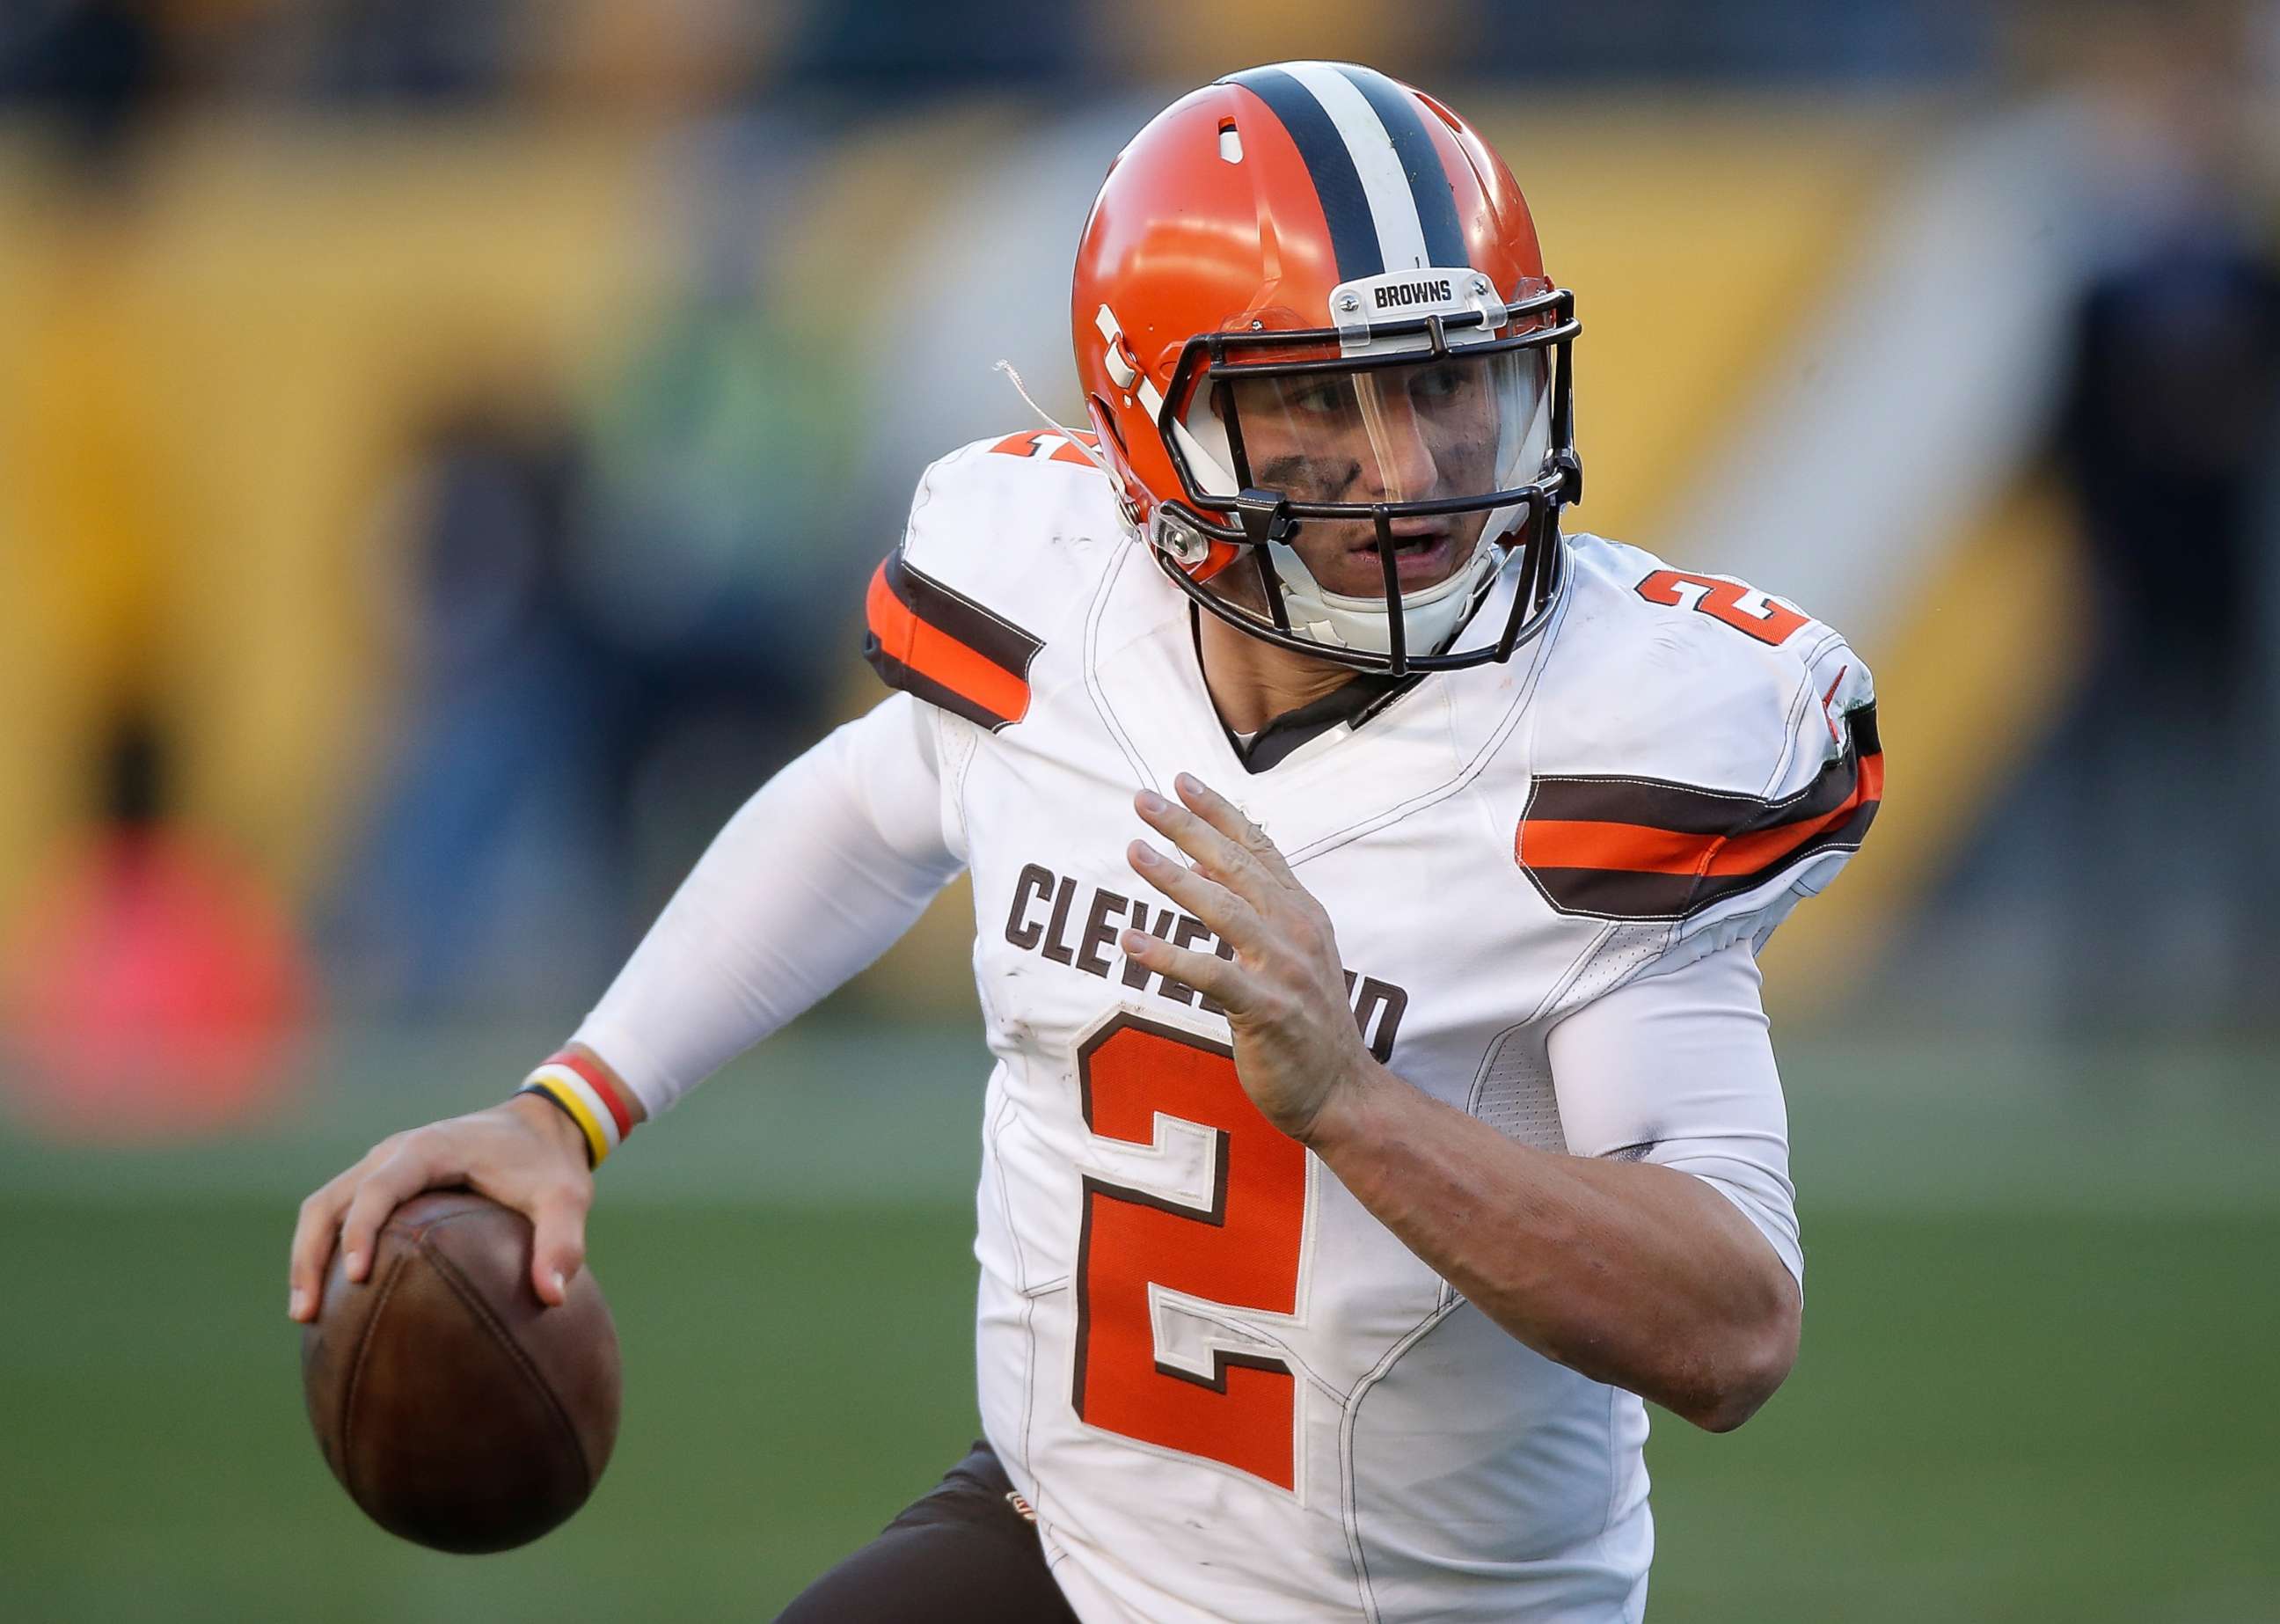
pixel 1422 551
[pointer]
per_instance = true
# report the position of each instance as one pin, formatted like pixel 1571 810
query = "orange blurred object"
pixel 153 987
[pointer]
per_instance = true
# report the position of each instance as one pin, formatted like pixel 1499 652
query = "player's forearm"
pixel 1633 1274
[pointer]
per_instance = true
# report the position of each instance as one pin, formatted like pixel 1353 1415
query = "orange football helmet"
pixel 1327 372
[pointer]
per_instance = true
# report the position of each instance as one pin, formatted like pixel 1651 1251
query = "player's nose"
pixel 1402 467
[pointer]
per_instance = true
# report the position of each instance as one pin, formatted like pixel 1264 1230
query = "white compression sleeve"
pixel 1678 1069
pixel 818 874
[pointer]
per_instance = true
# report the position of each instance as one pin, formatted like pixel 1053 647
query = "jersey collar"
pixel 1352 703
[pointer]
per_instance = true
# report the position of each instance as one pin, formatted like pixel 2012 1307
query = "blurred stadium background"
pixel 441 443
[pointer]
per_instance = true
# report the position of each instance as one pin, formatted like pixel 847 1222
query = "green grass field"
pixel 2044 1396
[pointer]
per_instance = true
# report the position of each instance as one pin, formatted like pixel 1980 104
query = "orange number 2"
pixel 1239 1253
pixel 1721 600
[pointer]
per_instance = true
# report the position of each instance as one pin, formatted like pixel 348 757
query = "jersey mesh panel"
pixel 1516 1096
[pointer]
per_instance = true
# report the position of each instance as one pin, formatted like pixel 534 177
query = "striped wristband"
pixel 584 1093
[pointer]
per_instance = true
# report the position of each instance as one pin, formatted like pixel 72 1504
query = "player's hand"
pixel 1296 1044
pixel 522 1153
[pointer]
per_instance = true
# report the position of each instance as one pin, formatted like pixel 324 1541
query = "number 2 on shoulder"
pixel 1723 600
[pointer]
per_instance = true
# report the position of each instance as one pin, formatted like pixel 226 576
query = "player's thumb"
pixel 558 1249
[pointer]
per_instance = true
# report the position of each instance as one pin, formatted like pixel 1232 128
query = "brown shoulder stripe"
pixel 936 642
pixel 1645 849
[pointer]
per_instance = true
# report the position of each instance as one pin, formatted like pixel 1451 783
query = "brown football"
pixel 456 1408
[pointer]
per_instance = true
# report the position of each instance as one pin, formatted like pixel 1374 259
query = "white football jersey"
pixel 1227 1390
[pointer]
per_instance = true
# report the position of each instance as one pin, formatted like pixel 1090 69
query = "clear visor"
pixel 1437 429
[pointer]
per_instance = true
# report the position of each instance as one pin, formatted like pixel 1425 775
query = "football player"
pixel 1368 883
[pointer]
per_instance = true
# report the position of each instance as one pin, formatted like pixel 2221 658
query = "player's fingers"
pixel 313 1231
pixel 1229 820
pixel 1213 852
pixel 558 1247
pixel 1223 979
pixel 1233 916
pixel 318 1225
pixel 391 1183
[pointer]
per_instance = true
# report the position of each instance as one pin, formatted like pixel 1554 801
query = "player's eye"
pixel 1437 385
pixel 1333 397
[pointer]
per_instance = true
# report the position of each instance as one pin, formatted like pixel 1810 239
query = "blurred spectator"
pixel 2172 422
pixel 605 656
pixel 485 839
pixel 900 47
pixel 152 985
pixel 88 57
pixel 1743 42
pixel 96 66
pixel 719 567
pixel 418 51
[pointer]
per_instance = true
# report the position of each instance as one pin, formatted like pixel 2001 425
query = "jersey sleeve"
pixel 820 872
pixel 984 577
pixel 1703 780
pixel 1678 1069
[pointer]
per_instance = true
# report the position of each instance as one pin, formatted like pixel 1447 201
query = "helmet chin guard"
pixel 1358 631
pixel 1431 616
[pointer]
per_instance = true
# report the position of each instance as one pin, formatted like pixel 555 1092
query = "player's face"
pixel 1399 433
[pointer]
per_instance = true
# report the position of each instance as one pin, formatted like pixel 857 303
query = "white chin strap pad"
pixel 1432 617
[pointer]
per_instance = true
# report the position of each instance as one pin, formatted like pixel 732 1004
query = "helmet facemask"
pixel 1379 479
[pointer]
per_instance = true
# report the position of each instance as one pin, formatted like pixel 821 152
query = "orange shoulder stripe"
pixel 1554 843
pixel 941 659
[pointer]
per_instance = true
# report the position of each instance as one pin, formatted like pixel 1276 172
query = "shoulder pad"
pixel 1705 752
pixel 1004 534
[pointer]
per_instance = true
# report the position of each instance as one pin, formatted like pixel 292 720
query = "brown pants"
pixel 962 1554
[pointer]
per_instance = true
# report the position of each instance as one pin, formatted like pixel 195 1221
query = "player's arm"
pixel 1661 1256
pixel 818 874
pixel 1632 1273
